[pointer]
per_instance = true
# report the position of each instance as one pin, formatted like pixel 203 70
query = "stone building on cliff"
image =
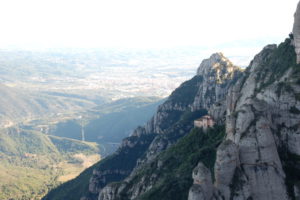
pixel 204 122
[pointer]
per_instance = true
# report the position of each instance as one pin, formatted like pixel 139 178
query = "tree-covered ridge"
pixel 32 162
pixel 177 163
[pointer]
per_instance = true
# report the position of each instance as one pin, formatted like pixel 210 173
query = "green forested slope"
pixel 31 162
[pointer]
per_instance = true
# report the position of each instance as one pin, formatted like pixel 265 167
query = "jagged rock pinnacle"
pixel 217 62
pixel 296 32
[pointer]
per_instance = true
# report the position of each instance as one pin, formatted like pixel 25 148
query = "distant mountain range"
pixel 18 105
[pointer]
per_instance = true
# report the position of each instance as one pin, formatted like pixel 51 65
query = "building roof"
pixel 204 117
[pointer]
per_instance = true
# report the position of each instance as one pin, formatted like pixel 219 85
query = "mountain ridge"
pixel 172 121
pixel 253 151
pixel 18 105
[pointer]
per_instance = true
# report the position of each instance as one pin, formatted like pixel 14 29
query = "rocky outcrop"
pixel 214 77
pixel 202 188
pixel 99 178
pixel 259 158
pixel 226 163
pixel 296 32
pixel 108 193
pixel 119 165
pixel 262 130
pixel 253 121
pixel 206 91
pixel 218 75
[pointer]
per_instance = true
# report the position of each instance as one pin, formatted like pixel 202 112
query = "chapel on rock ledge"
pixel 204 122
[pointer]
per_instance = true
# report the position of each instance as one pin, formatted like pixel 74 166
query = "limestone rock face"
pixel 218 75
pixel 296 32
pixel 262 132
pixel 202 188
pixel 261 108
pixel 99 178
pixel 259 158
pixel 226 163
pixel 259 122
pixel 207 90
pixel 108 193
pixel 196 193
pixel 211 84
pixel 214 76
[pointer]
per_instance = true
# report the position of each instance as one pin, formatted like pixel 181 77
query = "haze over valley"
pixel 64 97
pixel 149 100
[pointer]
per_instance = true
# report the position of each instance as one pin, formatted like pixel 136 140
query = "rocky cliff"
pixel 255 157
pixel 253 152
pixel 173 120
pixel 259 158
pixel 209 87
pixel 191 100
pixel 296 32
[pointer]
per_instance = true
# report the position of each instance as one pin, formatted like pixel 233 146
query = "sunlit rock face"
pixel 296 32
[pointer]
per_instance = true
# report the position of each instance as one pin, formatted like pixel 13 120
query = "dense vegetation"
pixel 125 160
pixel 76 187
pixel 187 90
pixel 173 168
pixel 278 61
pixel 31 162
pixel 67 145
pixel 290 163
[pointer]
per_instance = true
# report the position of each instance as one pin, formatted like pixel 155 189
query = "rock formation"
pixel 202 187
pixel 262 130
pixel 296 32
pixel 259 157
pixel 214 77
pixel 218 75
pixel 260 153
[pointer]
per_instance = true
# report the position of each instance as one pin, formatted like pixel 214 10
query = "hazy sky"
pixel 141 23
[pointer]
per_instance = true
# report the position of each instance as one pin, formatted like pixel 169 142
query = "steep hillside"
pixel 32 163
pixel 257 159
pixel 252 153
pixel 173 120
pixel 18 105
pixel 111 122
pixel 168 175
pixel 59 157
